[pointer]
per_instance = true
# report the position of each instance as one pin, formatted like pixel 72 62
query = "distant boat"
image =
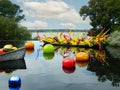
pixel 13 55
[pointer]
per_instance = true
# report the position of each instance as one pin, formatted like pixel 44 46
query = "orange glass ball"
pixel 29 45
pixel 82 56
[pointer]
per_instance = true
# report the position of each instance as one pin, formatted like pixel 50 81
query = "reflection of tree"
pixel 8 71
pixel 100 55
pixel 108 70
pixel 104 66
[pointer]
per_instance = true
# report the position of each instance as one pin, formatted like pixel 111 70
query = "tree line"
pixel 10 17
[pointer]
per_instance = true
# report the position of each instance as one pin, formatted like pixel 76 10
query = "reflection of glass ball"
pixel 29 51
pixel 68 70
pixel 17 88
pixel 82 63
pixel 48 48
pixel 48 56
pixel 14 83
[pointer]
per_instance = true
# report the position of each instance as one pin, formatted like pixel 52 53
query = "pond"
pixel 45 72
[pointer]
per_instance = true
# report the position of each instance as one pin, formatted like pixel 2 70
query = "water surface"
pixel 46 72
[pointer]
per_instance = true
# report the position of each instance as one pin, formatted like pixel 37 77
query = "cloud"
pixel 51 9
pixel 67 25
pixel 35 24
pixel 23 1
pixel 54 10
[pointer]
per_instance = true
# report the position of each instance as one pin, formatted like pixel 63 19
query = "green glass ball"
pixel 48 48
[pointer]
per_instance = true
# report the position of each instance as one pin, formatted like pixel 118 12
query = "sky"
pixel 53 14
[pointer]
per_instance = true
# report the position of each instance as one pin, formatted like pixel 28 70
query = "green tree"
pixel 102 13
pixel 10 30
pixel 8 9
pixel 10 15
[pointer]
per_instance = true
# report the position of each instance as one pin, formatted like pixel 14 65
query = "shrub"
pixel 114 39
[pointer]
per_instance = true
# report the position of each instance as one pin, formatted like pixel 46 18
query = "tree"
pixel 102 13
pixel 10 30
pixel 8 9
pixel 10 15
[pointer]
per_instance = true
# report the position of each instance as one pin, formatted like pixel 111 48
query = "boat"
pixel 13 55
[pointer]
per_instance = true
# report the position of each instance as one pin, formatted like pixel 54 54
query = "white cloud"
pixel 48 7
pixel 35 24
pixel 23 1
pixel 71 15
pixel 67 25
pixel 51 9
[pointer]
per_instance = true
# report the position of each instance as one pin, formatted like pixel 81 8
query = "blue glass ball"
pixel 14 83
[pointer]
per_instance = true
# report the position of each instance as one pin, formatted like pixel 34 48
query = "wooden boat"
pixel 13 55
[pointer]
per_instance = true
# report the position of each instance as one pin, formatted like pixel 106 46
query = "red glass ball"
pixel 68 62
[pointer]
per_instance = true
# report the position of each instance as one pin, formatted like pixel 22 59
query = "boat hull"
pixel 13 55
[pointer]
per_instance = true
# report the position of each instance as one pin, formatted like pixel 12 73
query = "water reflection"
pixel 11 65
pixel 7 71
pixel 48 56
pixel 82 63
pixel 108 70
pixel 41 73
pixel 68 70
pixel 100 55
pixel 101 63
pixel 29 51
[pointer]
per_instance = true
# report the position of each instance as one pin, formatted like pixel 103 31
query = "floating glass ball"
pixel 48 48
pixel 14 83
pixel 82 56
pixel 29 45
pixel 68 62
